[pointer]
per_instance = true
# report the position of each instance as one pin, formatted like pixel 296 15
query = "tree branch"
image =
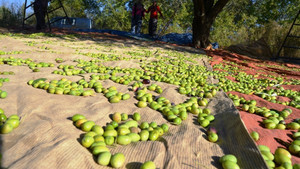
pixel 208 5
pixel 217 8
pixel 199 9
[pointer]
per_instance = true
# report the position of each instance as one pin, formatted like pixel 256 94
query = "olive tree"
pixel 205 12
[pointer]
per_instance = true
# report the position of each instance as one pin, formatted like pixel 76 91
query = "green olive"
pixel 117 160
pixel 142 104
pixel 148 165
pixel 6 128
pixel 125 96
pixel 124 116
pixel 123 131
pixel 213 137
pixel 117 117
pixel 177 121
pixel 144 134
pixel 14 122
pixel 134 137
pixel 153 135
pixel 98 138
pixel 136 116
pixel 112 133
pixel 144 125
pixel 87 141
pixel 104 158
pixel 77 117
pixel 79 122
pixel 228 157
pixel 3 118
pixel 254 135
pixel 3 94
pixel 114 99
pixel 123 140
pixel 99 149
pixel 109 140
pixel 87 126
pixel 97 129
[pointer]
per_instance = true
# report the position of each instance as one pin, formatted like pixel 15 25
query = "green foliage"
pixel 233 25
pixel 11 16
pixel 74 8
pixel 241 21
pixel 180 15
pixel 274 33
pixel 113 15
pixel 275 10
pixel 116 14
pixel 244 21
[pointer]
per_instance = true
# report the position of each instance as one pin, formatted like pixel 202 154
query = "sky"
pixel 16 3
pixel 8 2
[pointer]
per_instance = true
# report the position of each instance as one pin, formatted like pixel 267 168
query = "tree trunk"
pixel 201 31
pixel 40 9
pixel 205 13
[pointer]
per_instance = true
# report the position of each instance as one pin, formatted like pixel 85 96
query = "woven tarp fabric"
pixel 47 138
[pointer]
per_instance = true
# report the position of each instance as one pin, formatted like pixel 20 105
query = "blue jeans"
pixel 136 24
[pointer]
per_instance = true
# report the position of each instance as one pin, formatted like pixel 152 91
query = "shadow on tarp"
pixel 285 144
pixel 172 41
pixel 180 42
pixel 133 165
pixel 1 158
pixel 233 135
pixel 1 145
pixel 216 162
pixel 176 38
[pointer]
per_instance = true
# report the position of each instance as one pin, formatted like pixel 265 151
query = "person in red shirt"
pixel 138 12
pixel 154 10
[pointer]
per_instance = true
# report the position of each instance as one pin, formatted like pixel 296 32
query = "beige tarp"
pixel 46 137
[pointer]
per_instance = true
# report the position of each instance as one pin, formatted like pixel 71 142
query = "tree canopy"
pixel 239 21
